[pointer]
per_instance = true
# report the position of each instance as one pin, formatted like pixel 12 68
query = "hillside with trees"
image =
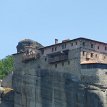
pixel 6 66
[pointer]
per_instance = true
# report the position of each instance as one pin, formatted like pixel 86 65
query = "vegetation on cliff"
pixel 6 66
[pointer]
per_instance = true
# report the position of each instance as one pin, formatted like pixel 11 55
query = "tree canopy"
pixel 6 66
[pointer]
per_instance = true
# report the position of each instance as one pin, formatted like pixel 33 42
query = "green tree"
pixel 6 66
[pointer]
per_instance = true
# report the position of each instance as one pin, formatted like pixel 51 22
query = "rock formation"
pixel 67 74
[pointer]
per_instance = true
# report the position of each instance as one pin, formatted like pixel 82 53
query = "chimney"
pixel 56 41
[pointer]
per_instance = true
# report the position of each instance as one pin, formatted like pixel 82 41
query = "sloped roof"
pixel 80 38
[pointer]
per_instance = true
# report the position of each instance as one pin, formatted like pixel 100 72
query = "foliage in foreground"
pixel 6 66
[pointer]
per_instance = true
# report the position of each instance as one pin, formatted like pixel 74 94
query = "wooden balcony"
pixel 57 57
pixel 28 57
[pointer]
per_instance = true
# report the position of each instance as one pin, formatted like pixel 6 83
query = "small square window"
pixel 98 47
pixel 92 45
pixel 68 62
pixel 55 48
pixel 42 51
pixel 45 59
pixel 63 46
pixel 52 49
pixel 105 48
pixel 83 53
pixel 71 44
pixel 104 57
pixel 55 65
pixel 92 54
pixel 76 43
pixel 96 55
pixel 62 63
pixel 38 66
pixel 83 43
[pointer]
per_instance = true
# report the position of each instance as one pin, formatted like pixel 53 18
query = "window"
pixel 104 57
pixel 92 45
pixel 71 44
pixel 68 62
pixel 45 59
pixel 62 63
pixel 36 82
pixel 83 43
pixel 98 47
pixel 63 46
pixel 105 48
pixel 92 54
pixel 83 53
pixel 96 55
pixel 55 48
pixel 42 51
pixel 55 65
pixel 76 43
pixel 52 49
pixel 38 66
pixel 87 59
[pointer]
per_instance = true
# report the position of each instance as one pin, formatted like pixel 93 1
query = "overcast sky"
pixel 45 20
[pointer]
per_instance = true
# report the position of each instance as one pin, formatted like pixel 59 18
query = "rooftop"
pixel 67 41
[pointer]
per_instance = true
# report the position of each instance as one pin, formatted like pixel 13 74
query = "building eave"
pixel 80 38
